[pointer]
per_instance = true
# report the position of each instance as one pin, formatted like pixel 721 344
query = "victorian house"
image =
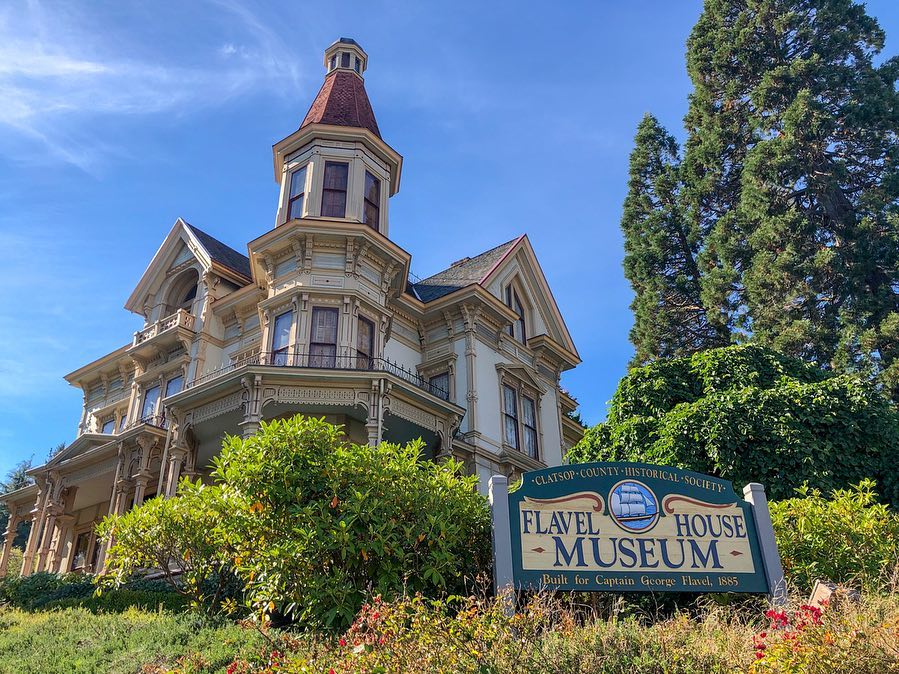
pixel 320 317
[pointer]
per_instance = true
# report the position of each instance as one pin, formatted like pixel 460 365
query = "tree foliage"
pixel 15 479
pixel 750 414
pixel 789 187
pixel 311 525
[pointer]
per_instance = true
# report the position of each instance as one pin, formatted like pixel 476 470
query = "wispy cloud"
pixel 60 73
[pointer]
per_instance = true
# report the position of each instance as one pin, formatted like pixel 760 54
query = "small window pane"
pixel 108 426
pixel 529 421
pixel 510 416
pixel 281 337
pixel 357 64
pixel 372 212
pixel 345 60
pixel 173 386
pixel 297 194
pixel 365 339
pixel 323 341
pixel 440 385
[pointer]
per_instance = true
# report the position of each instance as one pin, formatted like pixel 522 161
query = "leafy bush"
pixel 185 537
pixel 749 414
pixel 848 538
pixel 310 524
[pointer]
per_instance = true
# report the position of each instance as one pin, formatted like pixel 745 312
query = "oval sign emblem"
pixel 633 506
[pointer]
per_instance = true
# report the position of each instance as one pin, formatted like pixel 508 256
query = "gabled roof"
pixel 461 274
pixel 342 101
pixel 212 254
pixel 222 253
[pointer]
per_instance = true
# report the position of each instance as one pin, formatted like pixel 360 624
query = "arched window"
pixel 183 291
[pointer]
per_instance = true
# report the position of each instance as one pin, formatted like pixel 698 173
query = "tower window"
pixel 334 190
pixel 345 60
pixel 365 343
pixel 333 61
pixel 358 64
pixel 297 192
pixel 281 337
pixel 372 213
pixel 323 342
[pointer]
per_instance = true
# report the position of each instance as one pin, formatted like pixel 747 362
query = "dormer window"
pixel 372 210
pixel 334 190
pixel 297 192
pixel 518 329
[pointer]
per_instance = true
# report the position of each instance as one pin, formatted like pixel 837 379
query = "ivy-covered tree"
pixel 790 183
pixel 660 253
pixel 750 414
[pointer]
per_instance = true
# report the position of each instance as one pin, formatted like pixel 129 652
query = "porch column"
pixel 37 517
pixel 141 480
pixel 12 525
pixel 53 511
pixel 56 559
pixel 252 414
pixel 176 457
pixel 373 424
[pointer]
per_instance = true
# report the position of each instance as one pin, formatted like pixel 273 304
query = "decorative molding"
pixel 217 407
pixel 411 413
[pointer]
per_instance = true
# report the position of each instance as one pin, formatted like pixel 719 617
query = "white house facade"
pixel 320 317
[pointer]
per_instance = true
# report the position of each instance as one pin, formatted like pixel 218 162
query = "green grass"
pixel 75 640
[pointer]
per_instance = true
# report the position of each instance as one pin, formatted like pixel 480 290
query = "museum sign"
pixel 632 527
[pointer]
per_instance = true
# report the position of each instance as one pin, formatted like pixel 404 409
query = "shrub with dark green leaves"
pixel 311 525
pixel 749 414
pixel 847 538
pixel 328 523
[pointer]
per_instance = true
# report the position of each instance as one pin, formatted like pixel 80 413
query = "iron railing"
pixel 322 359
pixel 157 420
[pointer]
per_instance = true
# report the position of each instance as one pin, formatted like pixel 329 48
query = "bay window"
pixel 510 416
pixel 323 339
pixel 334 189
pixel 151 397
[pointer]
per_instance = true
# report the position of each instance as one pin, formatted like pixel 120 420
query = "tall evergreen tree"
pixel 660 253
pixel 791 180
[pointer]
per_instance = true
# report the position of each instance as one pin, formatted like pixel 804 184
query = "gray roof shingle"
pixel 223 254
pixel 466 272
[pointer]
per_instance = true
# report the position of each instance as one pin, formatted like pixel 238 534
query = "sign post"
pixel 632 527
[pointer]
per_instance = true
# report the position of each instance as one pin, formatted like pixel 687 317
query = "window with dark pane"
pixel 365 343
pixel 529 424
pixel 439 385
pixel 323 341
pixel 334 190
pixel 518 330
pixel 510 416
pixel 79 558
pixel 281 337
pixel 174 385
pixel 151 396
pixel 297 194
pixel 372 212
pixel 345 60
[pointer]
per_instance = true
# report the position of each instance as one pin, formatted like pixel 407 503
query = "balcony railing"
pixel 351 360
pixel 180 318
pixel 157 420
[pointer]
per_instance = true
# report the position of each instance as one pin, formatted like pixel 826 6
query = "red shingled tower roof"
pixel 342 101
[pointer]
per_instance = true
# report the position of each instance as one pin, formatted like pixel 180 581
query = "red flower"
pixel 342 641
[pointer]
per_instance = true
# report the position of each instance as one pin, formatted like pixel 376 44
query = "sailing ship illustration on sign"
pixel 633 506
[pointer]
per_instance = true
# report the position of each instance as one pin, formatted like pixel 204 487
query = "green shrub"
pixel 185 537
pixel 749 414
pixel 118 600
pixel 310 524
pixel 847 538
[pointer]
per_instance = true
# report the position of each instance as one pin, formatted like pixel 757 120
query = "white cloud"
pixel 60 71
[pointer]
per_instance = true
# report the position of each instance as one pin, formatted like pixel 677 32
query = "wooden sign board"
pixel 631 527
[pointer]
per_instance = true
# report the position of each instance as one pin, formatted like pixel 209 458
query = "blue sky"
pixel 118 117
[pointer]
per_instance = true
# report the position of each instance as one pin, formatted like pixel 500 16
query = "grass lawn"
pixel 74 640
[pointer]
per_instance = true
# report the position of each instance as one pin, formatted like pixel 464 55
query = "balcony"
pixel 345 361
pixel 164 333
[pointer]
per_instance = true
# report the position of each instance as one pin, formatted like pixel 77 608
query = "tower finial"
pixel 346 54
